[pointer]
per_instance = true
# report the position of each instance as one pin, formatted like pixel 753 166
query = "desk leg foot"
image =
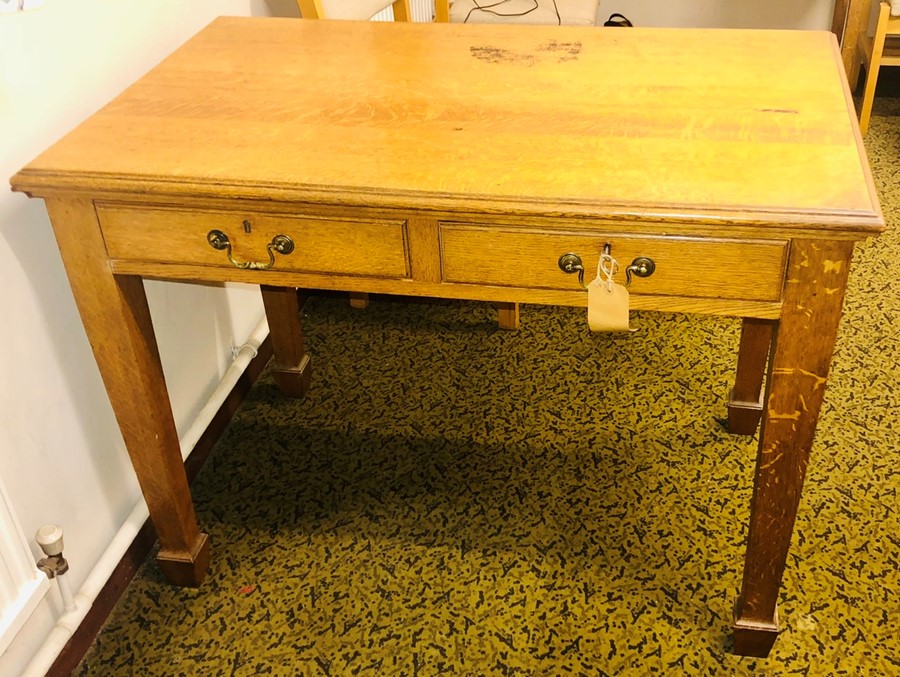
pixel 745 401
pixel 294 382
pixel 754 639
pixel 802 350
pixel 743 417
pixel 292 370
pixel 186 568
pixel 508 316
pixel 359 300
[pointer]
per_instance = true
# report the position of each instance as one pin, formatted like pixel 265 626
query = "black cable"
pixel 487 9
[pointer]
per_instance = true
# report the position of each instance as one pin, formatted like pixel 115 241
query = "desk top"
pixel 710 125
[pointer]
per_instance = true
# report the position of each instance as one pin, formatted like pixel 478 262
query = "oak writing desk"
pixel 462 161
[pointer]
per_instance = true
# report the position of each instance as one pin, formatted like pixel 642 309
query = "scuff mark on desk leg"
pixel 803 346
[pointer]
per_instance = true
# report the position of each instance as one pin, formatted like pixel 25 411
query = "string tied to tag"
pixel 607 266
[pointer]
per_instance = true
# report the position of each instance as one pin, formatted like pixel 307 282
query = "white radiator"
pixel 22 586
pixel 422 12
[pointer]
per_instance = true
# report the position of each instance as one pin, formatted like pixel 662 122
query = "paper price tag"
pixel 607 306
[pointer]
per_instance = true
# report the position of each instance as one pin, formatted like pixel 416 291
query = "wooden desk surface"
pixel 466 161
pixel 747 125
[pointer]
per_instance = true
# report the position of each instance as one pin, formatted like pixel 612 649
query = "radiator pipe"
pixel 67 623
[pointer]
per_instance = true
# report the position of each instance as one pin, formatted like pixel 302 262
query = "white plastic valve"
pixel 50 538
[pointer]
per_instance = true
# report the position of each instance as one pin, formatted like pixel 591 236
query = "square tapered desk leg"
pixel 745 401
pixel 292 369
pixel 117 320
pixel 803 346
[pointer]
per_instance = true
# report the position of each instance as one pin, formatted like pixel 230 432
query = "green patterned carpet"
pixel 455 499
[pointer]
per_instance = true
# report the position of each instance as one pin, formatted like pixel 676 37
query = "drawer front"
pixel 372 248
pixel 685 266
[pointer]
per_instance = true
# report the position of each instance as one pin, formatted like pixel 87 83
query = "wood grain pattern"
pixel 424 249
pixel 227 115
pixel 751 270
pixel 739 225
pixel 498 150
pixel 340 246
pixel 117 320
pixel 804 342
pixel 575 297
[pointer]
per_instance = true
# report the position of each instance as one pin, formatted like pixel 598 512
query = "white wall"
pixel 61 455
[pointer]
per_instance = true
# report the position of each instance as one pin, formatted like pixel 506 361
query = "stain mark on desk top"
pixel 552 50
pixel 565 51
pixel 501 55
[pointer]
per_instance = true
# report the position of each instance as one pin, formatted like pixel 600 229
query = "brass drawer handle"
pixel 642 266
pixel 571 263
pixel 280 243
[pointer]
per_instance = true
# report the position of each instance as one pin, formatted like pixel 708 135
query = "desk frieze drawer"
pixel 685 266
pixel 256 241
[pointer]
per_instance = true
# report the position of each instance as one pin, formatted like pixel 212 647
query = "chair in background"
pixel 544 12
pixel 359 10
pixel 547 12
pixel 875 52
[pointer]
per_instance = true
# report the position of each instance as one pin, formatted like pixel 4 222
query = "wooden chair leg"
pixel 402 10
pixel 873 66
